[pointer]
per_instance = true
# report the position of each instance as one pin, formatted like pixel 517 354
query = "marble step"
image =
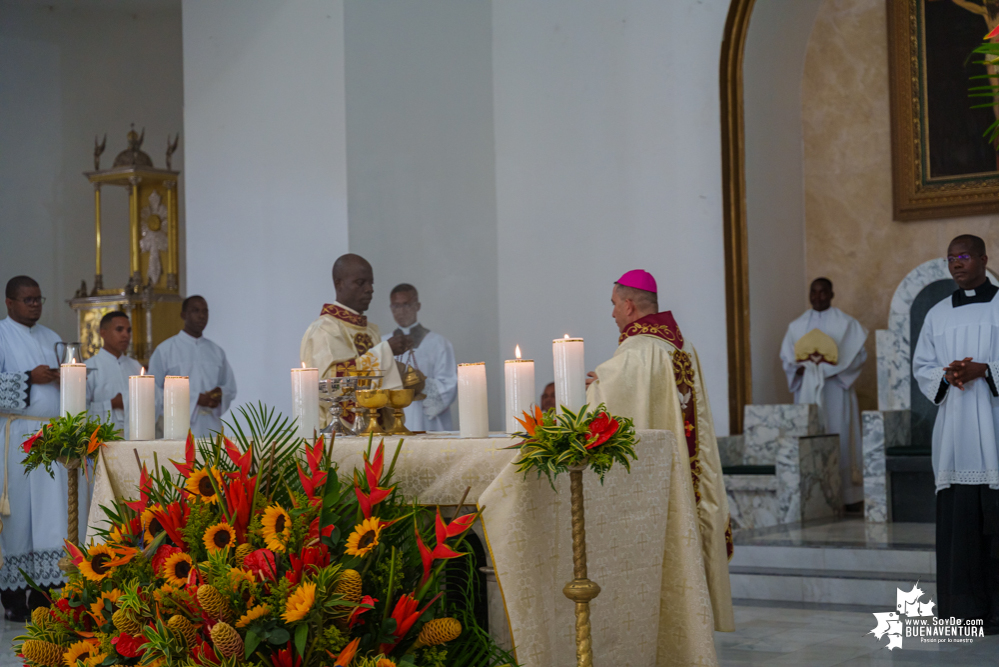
pixel 922 560
pixel 829 586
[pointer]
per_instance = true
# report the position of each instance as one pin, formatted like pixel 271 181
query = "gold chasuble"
pixel 654 377
pixel 343 340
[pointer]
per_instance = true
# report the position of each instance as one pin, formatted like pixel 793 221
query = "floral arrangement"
pixel 67 440
pixel 255 551
pixel 554 442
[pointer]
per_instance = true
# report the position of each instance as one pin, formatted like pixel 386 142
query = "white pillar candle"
pixel 72 388
pixel 176 407
pixel 305 400
pixel 473 403
pixel 519 389
pixel 570 373
pixel 142 407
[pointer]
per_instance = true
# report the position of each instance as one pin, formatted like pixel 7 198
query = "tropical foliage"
pixel 555 441
pixel 256 551
pixel 66 440
pixel 989 50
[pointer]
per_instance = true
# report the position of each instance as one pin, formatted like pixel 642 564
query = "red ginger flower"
pixel 405 615
pixel 26 445
pixel 286 657
pixel 601 429
pixel 164 552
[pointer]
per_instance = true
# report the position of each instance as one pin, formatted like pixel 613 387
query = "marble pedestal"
pixel 882 430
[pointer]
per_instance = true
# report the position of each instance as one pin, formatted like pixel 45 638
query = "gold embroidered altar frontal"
pixel 527 527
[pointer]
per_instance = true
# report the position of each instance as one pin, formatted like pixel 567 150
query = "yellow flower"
pixel 176 568
pixel 165 591
pixel 200 485
pixel 96 567
pixel 77 651
pixel 253 614
pixel 365 537
pixel 95 660
pixel 277 527
pixel 300 602
pixel 97 608
pixel 237 576
pixel 150 525
pixel 219 536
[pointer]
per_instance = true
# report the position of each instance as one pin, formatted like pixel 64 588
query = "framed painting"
pixel 942 164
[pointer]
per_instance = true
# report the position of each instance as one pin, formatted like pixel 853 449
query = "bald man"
pixel 342 340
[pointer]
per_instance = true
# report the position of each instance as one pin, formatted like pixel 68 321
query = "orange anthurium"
pixel 94 442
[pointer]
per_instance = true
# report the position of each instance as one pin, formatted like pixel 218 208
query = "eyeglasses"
pixel 32 300
pixel 958 258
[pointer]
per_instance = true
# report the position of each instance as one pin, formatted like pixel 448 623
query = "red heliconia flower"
pixel 262 564
pixel 312 558
pixel 405 615
pixel 145 486
pixel 314 456
pixel 442 532
pixel 239 498
pixel 368 500
pixel 74 552
pixel 26 445
pixel 314 535
pixel 286 657
pixel 242 460
pixel 164 552
pixel 367 602
pixel 601 429
pixel 173 518
pixel 992 33
pixel 311 482
pixel 187 467
pixel 128 646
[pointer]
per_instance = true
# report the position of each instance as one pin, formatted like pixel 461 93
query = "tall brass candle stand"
pixel 73 509
pixel 580 590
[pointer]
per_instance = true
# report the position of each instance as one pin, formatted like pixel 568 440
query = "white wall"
pixel 775 196
pixel 608 159
pixel 266 179
pixel 420 166
pixel 68 71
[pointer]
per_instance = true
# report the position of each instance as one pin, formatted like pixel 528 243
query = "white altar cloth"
pixel 527 527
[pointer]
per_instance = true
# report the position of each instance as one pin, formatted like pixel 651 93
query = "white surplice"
pixel 831 387
pixel 965 449
pixel 33 534
pixel 107 379
pixel 434 357
pixel 205 364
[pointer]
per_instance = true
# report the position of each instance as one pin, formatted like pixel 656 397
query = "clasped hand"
pixel 964 371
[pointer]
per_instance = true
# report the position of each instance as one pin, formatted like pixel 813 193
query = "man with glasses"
pixel 956 364
pixel 823 353
pixel 32 507
pixel 433 355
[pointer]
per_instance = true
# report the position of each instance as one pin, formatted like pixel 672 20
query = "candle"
pixel 570 372
pixel 72 388
pixel 305 400
pixel 176 407
pixel 519 389
pixel 473 403
pixel 142 407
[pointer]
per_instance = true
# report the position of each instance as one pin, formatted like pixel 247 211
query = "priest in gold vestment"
pixel 655 378
pixel 342 339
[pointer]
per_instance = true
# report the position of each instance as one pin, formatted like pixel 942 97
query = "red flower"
pixel 601 429
pixel 992 33
pixel 261 563
pixel 128 646
pixel 164 552
pixel 187 467
pixel 286 657
pixel 30 441
pixel 405 614
pixel 367 602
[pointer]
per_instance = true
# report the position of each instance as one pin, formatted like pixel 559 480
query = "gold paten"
pixel 151 297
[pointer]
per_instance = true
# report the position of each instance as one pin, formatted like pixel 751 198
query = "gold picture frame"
pixel 918 194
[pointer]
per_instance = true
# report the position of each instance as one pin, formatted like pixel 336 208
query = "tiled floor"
pixel 825 635
pixel 7 633
pixel 843 533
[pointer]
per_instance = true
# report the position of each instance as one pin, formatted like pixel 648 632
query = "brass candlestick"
pixel 580 590
pixel 73 510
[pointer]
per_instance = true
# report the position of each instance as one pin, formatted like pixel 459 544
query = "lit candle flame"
pixel 567 336
pixel 303 364
pixel 72 360
pixel 142 371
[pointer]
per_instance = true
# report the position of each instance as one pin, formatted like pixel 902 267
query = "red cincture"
pixel 344 315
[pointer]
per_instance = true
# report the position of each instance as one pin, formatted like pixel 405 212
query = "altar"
pixel 526 526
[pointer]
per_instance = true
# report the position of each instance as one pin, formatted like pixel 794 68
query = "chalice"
pixel 369 401
pixel 397 400
pixel 333 392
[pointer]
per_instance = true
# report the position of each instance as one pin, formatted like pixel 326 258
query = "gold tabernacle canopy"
pixel 151 296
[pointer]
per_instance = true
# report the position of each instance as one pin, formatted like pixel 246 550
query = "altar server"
pixel 212 383
pixel 342 340
pixel 822 354
pixel 433 355
pixel 654 377
pixel 108 372
pixel 33 506
pixel 956 364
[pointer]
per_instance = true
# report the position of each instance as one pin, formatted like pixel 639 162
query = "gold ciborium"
pixel 397 400
pixel 368 403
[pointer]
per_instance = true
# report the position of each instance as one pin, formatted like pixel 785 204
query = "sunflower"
pixel 96 567
pixel 238 575
pixel 78 651
pixel 219 536
pixel 98 607
pixel 251 615
pixel 176 568
pixel 365 537
pixel 166 591
pixel 277 527
pixel 201 486
pixel 299 603
pixel 95 660
pixel 151 526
